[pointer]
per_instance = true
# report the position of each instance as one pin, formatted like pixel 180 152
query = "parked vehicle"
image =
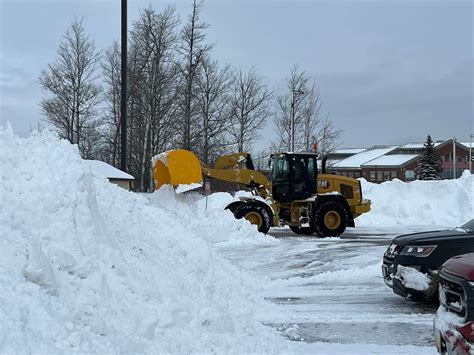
pixel 412 261
pixel 454 321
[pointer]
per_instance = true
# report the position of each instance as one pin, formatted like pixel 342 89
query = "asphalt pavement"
pixel 332 290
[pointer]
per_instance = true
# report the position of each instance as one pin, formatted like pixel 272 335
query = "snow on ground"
pixel 438 203
pixel 331 291
pixel 86 266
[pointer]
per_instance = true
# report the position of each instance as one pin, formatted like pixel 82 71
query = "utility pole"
pixel 294 94
pixel 123 99
pixel 470 153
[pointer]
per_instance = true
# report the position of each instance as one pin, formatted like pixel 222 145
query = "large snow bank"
pixel 447 203
pixel 441 203
pixel 88 267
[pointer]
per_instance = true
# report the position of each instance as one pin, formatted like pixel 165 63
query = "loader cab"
pixel 294 176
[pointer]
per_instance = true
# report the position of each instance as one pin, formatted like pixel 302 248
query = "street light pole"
pixel 123 99
pixel 294 93
pixel 470 153
pixel 454 157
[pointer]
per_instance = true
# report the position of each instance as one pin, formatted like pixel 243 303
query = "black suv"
pixel 412 260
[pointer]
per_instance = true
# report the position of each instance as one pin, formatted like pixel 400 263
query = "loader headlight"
pixel 421 251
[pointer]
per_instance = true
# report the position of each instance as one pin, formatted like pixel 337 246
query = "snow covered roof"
pixel 110 172
pixel 391 160
pixel 418 145
pixel 329 162
pixel 357 160
pixel 348 150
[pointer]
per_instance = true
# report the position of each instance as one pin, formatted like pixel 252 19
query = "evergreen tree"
pixel 429 164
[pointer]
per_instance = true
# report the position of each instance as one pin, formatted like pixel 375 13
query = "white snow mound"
pixel 447 203
pixel 88 267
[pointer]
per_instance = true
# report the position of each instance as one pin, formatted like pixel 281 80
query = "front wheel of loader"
pixel 256 214
pixel 302 230
pixel 330 219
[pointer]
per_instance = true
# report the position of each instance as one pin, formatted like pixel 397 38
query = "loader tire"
pixel 302 230
pixel 330 219
pixel 256 214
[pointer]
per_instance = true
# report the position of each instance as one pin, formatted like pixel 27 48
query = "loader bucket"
pixel 179 168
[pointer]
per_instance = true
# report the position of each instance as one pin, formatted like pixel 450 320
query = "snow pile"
pixel 442 203
pixel 446 203
pixel 88 267
pixel 412 278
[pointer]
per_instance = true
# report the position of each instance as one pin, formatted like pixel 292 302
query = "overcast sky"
pixel 389 71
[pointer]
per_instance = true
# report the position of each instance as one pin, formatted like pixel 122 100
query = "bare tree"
pixel 249 107
pixel 153 94
pixel 327 136
pixel 193 49
pixel 71 84
pixel 212 84
pixel 111 71
pixel 310 127
pixel 261 159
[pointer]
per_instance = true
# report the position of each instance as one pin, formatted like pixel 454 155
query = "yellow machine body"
pixel 348 187
pixel 177 167
pixel 182 167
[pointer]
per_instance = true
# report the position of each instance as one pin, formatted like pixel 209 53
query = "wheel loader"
pixel 296 195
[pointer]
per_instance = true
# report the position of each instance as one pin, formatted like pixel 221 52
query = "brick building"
pixel 383 163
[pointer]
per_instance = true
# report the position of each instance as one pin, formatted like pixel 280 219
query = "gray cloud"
pixel 389 71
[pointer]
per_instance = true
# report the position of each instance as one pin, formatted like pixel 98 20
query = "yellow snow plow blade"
pixel 179 168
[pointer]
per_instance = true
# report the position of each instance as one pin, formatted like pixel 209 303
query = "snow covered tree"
pixel 429 164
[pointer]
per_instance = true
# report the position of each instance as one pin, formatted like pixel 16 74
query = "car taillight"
pixel 467 330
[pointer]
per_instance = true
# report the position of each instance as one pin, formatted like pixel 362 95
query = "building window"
pixel 372 175
pixel 393 174
pixel 386 175
pixel 379 175
pixel 410 175
pixel 447 173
